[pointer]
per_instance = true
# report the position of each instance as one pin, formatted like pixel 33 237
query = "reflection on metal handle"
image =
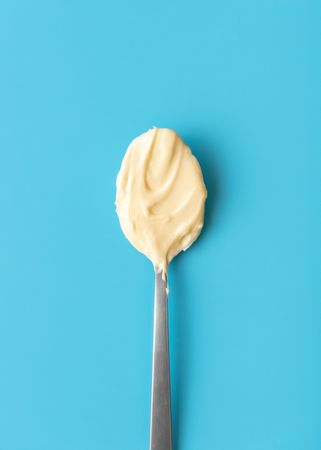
pixel 160 427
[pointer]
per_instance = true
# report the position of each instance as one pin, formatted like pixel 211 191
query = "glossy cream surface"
pixel 160 196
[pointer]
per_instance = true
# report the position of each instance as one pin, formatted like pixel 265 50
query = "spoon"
pixel 160 203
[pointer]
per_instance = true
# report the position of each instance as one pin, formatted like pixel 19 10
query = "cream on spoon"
pixel 160 196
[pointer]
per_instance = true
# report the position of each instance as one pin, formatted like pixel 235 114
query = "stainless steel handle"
pixel 161 423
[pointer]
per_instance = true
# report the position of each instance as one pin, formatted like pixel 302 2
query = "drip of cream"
pixel 160 196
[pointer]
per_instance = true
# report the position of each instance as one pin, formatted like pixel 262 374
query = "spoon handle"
pixel 160 425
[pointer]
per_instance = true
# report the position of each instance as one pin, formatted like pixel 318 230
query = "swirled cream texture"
pixel 160 196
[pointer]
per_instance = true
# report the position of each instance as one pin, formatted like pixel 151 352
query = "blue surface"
pixel 240 81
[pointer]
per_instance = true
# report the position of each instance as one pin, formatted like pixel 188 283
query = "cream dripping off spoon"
pixel 160 203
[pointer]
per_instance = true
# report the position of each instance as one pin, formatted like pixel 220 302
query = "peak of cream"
pixel 160 196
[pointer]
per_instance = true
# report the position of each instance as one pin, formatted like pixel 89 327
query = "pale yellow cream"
pixel 160 196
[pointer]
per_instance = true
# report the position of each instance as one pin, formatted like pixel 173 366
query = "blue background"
pixel 241 82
